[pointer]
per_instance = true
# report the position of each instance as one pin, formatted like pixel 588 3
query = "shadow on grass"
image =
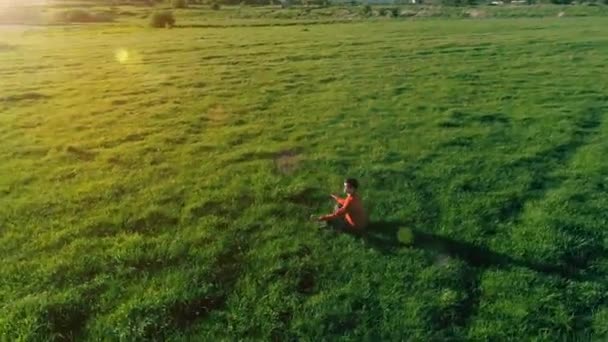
pixel 382 235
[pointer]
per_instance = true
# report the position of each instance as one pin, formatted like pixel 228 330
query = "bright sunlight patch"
pixel 122 55
pixel 405 236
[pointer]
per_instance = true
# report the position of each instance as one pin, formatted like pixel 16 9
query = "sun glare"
pixel 122 55
pixel 17 3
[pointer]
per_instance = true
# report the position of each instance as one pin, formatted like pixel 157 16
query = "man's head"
pixel 351 185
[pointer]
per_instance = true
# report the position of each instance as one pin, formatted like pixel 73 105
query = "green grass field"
pixel 157 184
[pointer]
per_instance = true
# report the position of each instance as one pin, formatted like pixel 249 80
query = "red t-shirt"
pixel 352 210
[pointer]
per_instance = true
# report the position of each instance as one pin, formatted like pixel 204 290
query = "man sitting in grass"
pixel 349 212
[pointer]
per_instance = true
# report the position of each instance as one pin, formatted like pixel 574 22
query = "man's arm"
pixel 338 199
pixel 340 212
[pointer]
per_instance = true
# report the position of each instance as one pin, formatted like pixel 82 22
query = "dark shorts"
pixel 338 223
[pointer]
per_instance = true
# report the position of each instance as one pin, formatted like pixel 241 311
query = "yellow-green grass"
pixel 159 183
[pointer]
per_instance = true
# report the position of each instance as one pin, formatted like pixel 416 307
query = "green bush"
pixel 179 3
pixel 459 2
pixel 216 6
pixel 162 19
pixel 393 12
pixel 366 10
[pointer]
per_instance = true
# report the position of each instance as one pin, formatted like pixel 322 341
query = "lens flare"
pixel 405 236
pixel 122 56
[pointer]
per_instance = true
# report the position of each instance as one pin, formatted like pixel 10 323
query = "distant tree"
pixel 459 2
pixel 179 3
pixel 162 19
pixel 322 3
pixel 366 10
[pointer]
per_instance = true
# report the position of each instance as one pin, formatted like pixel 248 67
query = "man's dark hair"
pixel 352 182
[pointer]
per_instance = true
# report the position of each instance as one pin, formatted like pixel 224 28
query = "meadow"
pixel 158 183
